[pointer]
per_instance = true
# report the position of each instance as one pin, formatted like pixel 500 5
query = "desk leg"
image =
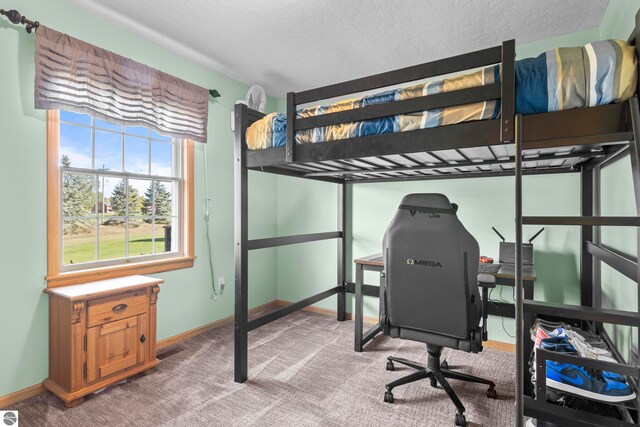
pixel 359 308
pixel 375 329
pixel 528 289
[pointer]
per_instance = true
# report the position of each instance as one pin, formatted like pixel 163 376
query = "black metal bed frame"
pixel 581 140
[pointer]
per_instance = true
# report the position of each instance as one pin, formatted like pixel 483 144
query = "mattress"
pixel 598 73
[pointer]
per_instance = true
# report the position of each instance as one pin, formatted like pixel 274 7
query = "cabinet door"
pixel 116 346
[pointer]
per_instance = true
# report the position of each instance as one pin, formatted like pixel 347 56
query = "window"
pixel 120 200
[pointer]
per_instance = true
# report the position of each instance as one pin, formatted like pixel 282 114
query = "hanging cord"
pixel 499 311
pixel 217 101
pixel 215 293
pixel 225 106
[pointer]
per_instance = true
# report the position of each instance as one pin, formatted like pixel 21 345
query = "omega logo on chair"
pixel 424 263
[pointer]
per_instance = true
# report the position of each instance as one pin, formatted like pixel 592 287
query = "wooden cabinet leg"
pixel 73 403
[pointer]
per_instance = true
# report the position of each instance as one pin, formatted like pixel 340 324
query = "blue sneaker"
pixel 612 376
pixel 577 380
pixel 559 344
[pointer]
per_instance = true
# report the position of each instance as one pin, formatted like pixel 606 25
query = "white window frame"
pixel 182 254
pixel 99 173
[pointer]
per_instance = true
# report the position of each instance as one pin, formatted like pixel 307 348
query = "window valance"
pixel 77 76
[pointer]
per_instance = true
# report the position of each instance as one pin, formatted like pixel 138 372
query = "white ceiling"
pixel 293 45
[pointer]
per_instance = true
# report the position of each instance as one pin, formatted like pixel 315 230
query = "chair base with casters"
pixel 437 373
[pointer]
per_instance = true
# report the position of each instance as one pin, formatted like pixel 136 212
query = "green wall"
pixel 304 207
pixel 184 299
pixel 619 19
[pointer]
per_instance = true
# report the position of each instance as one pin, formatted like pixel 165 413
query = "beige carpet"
pixel 302 372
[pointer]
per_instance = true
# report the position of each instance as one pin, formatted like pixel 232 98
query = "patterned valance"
pixel 76 76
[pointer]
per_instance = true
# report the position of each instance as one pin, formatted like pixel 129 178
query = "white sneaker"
pixel 586 350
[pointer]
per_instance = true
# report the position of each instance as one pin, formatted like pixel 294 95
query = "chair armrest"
pixel 384 310
pixel 486 281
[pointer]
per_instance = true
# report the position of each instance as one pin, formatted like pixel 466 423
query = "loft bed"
pixel 581 140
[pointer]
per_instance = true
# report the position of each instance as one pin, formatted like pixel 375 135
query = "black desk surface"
pixel 507 271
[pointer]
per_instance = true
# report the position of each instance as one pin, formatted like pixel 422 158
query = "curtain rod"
pixel 16 18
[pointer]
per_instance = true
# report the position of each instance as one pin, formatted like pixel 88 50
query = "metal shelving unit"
pixel 590 313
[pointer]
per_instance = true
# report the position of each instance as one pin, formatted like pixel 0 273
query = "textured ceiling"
pixel 293 45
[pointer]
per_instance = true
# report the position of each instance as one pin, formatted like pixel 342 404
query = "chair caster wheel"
pixel 491 393
pixel 460 419
pixel 434 382
pixel 388 396
pixel 444 365
pixel 390 366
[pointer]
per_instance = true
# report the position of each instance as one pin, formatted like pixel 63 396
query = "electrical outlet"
pixel 221 282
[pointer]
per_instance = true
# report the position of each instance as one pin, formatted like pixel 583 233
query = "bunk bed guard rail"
pixel 503 90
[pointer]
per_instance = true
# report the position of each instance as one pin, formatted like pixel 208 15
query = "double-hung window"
pixel 120 199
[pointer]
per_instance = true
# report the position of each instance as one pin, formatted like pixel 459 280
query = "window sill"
pixel 93 274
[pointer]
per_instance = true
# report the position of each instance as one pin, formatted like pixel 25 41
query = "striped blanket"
pixel 599 73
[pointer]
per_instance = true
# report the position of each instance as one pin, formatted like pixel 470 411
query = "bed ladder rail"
pixel 634 156
pixel 634 150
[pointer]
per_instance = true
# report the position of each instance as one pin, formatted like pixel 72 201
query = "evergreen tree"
pixel 147 202
pixel 78 198
pixel 119 199
pixel 162 198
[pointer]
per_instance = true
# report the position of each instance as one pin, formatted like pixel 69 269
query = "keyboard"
pixel 488 268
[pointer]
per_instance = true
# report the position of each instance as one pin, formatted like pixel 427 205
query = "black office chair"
pixel 429 291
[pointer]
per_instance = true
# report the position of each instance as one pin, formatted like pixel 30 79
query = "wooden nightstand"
pixel 99 334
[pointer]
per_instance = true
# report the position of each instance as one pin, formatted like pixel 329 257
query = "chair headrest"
pixel 438 203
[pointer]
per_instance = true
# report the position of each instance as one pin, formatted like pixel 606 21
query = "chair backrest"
pixel 431 266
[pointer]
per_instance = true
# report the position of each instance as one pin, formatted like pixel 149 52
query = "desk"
pixel 505 276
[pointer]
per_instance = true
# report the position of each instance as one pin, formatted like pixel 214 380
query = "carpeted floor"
pixel 302 372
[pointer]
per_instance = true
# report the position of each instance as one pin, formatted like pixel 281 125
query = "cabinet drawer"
pixel 109 309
